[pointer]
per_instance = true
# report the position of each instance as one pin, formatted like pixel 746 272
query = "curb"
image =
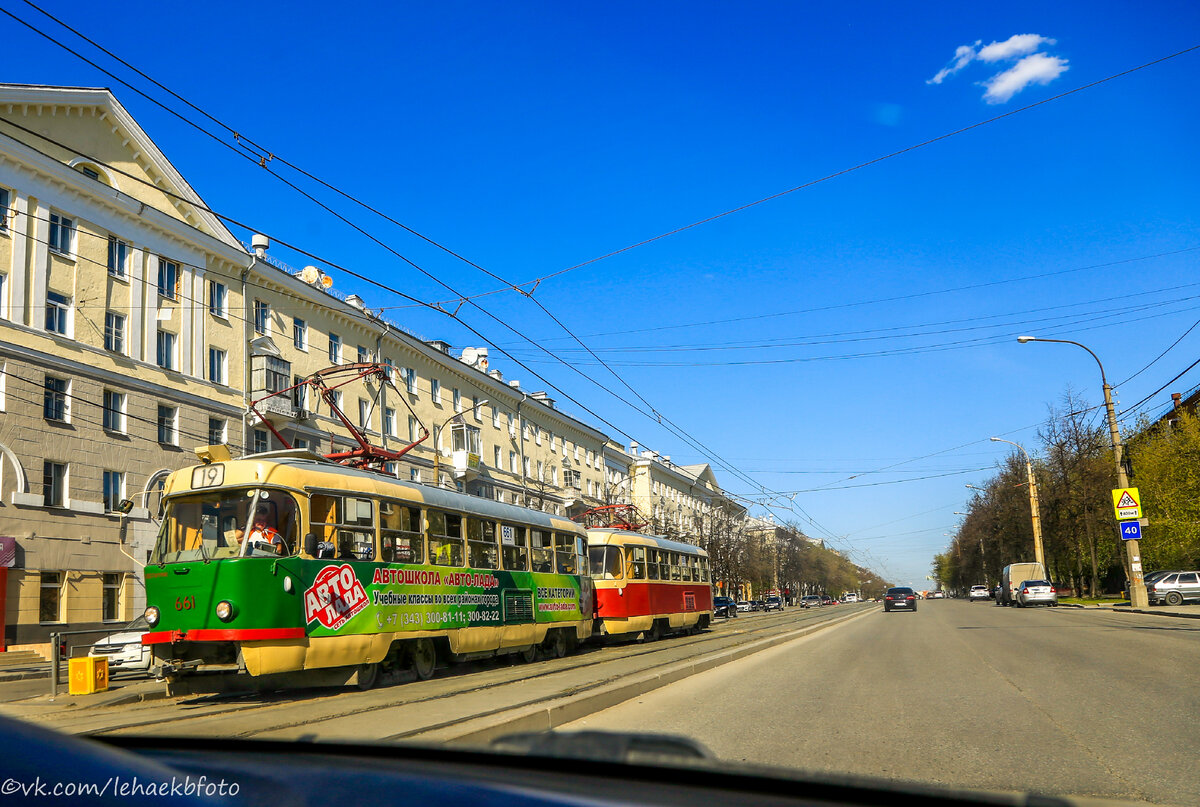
pixel 24 676
pixel 559 711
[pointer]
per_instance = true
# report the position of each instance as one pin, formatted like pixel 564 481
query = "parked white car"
pixel 978 593
pixel 124 649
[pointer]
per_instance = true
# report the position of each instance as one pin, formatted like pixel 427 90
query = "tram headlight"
pixel 152 615
pixel 225 610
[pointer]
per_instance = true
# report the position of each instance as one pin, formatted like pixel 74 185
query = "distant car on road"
pixel 756 605
pixel 124 649
pixel 1175 588
pixel 827 600
pixel 811 601
pixel 1036 592
pixel 850 597
pixel 978 593
pixel 744 605
pixel 773 604
pixel 900 598
pixel 724 607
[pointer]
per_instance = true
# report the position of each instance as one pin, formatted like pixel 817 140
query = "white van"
pixel 850 597
pixel 1013 576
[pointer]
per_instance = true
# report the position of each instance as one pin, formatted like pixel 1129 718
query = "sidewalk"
pixel 34 693
pixel 1184 611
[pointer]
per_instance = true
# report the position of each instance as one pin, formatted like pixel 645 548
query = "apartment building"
pixel 105 374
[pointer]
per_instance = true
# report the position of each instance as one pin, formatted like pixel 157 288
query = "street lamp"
pixel 1038 554
pixel 1137 586
pixel 437 449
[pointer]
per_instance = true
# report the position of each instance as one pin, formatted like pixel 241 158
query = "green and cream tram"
pixel 287 567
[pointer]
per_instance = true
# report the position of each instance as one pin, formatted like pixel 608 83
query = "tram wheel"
pixel 556 644
pixel 655 633
pixel 529 654
pixel 368 676
pixel 424 659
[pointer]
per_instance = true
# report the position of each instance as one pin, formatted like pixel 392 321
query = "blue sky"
pixel 532 137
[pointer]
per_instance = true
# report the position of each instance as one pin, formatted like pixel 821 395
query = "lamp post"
pixel 437 449
pixel 1038 554
pixel 1137 586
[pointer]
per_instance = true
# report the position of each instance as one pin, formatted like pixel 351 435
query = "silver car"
pixel 1175 589
pixel 124 649
pixel 1036 592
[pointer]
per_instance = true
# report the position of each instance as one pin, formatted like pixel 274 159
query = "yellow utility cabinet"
pixel 87 675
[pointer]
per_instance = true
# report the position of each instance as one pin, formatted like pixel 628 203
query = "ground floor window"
pixel 111 606
pixel 50 597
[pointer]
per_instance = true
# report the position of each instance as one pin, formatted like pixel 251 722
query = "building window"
pixel 410 380
pixel 300 334
pixel 335 349
pixel 165 350
pixel 435 390
pixel 54 400
pixel 61 231
pixel 554 475
pixel 495 418
pixel 4 201
pixel 364 413
pixel 118 257
pixel 457 400
pixel 537 434
pixel 216 365
pixel 114 332
pixel 337 398
pixel 300 442
pixel 299 393
pixel 525 465
pixel 218 299
pixel 54 483
pixel 168 279
pixel 167 416
pixel 262 316
pixel 553 441
pixel 50 598
pixel 261 441
pixel 541 466
pixel 412 429
pixel 216 432
pixel 389 422
pixel 364 355
pixel 110 607
pixel 114 490
pixel 58 309
pixel 414 474
pixel 496 456
pixel 512 461
pixel 114 411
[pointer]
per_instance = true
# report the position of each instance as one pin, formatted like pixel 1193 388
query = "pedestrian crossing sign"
pixel 1127 504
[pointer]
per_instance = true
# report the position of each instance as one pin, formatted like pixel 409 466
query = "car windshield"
pixel 595 354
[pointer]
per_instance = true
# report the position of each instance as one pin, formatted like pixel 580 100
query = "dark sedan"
pixel 724 606
pixel 900 599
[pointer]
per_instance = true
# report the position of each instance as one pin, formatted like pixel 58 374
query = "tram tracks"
pixel 473 692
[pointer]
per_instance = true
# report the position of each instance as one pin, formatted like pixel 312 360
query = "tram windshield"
pixel 605 562
pixel 228 524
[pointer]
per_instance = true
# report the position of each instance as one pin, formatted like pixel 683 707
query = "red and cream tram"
pixel 646 584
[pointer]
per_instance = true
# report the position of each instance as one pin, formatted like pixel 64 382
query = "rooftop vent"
pixel 543 398
pixel 438 344
pixel 261 244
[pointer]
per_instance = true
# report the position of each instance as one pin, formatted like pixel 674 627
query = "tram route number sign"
pixel 1131 531
pixel 1127 504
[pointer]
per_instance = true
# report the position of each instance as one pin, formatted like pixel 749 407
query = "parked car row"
pixel 1173 587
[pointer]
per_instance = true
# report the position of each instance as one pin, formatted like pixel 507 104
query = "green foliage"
pixel 1167 465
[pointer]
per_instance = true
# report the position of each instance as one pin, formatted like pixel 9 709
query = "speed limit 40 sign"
pixel 1131 531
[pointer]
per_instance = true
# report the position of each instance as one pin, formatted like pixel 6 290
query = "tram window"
pixel 401 539
pixel 652 563
pixel 567 562
pixel 606 562
pixel 541 551
pixel 345 526
pixel 513 548
pixel 637 562
pixel 445 538
pixel 685 568
pixel 676 569
pixel 481 543
pixel 582 555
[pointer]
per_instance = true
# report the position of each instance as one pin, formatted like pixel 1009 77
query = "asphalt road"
pixel 1061 701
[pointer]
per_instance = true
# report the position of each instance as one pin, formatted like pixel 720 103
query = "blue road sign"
pixel 1131 531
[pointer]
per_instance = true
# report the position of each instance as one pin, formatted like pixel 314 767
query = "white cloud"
pixel 963 55
pixel 1037 68
pixel 1016 45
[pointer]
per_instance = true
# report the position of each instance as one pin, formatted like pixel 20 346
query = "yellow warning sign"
pixel 1127 503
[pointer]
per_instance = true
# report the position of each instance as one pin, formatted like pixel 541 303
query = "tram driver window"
pixel 605 562
pixel 481 543
pixel 445 538
pixel 401 539
pixel 567 562
pixel 514 550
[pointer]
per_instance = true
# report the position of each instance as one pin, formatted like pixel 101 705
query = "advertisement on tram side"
pixel 351 597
